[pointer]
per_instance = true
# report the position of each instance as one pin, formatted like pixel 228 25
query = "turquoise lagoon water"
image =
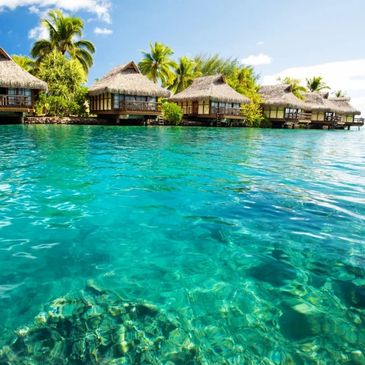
pixel 253 241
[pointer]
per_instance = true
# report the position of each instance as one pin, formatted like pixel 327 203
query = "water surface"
pixel 252 239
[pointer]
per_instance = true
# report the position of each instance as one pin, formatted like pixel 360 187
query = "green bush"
pixel 66 94
pixel 172 113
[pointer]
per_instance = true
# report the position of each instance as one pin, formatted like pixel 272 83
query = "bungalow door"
pixel 195 107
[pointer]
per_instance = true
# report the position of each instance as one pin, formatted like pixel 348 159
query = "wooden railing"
pixel 305 116
pixel 297 116
pixel 292 116
pixel 138 106
pixel 226 111
pixel 332 118
pixel 15 101
pixel 359 121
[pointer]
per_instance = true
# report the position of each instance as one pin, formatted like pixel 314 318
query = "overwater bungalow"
pixel 125 94
pixel 347 112
pixel 322 111
pixel 329 112
pixel 211 100
pixel 19 89
pixel 281 107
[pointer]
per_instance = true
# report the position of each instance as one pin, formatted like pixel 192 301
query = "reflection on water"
pixel 251 242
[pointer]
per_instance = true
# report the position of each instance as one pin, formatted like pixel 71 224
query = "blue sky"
pixel 280 37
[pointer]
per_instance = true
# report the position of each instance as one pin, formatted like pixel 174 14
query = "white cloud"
pixel 348 76
pixel 256 60
pixel 260 43
pixel 99 7
pixel 38 33
pixel 103 31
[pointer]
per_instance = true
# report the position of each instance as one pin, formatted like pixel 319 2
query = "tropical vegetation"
pixel 63 61
pixel 64 58
pixel 66 93
pixel 65 36
pixel 297 89
pixel 25 62
pixel 316 84
pixel 157 64
pixel 172 113
pixel 339 94
pixel 185 73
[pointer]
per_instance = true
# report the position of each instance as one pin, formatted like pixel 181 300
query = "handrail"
pixel 332 118
pixel 359 121
pixel 138 106
pixel 15 101
pixel 226 111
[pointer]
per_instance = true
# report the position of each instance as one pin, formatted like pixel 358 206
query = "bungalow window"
pixel 329 116
pixel 291 113
pixel 152 103
pixel 222 106
pixel 118 100
pixel 12 96
pixel 28 97
pixel 215 107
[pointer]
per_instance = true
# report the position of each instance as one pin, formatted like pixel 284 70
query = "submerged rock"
pixel 96 326
pixel 277 273
pixel 300 322
pixel 352 294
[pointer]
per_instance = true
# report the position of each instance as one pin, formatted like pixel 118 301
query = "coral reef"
pixel 97 326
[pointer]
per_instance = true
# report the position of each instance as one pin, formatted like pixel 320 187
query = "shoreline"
pixel 111 122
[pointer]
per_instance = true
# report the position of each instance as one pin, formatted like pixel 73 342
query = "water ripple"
pixel 252 239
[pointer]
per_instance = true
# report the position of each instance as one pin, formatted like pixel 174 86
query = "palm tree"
pixel 184 75
pixel 62 33
pixel 215 64
pixel 339 94
pixel 316 84
pixel 297 89
pixel 157 64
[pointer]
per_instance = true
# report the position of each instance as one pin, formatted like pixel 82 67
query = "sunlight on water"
pixel 126 245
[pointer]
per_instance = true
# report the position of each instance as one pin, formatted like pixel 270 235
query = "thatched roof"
pixel 344 105
pixel 13 76
pixel 280 95
pixel 322 102
pixel 315 101
pixel 212 87
pixel 127 79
